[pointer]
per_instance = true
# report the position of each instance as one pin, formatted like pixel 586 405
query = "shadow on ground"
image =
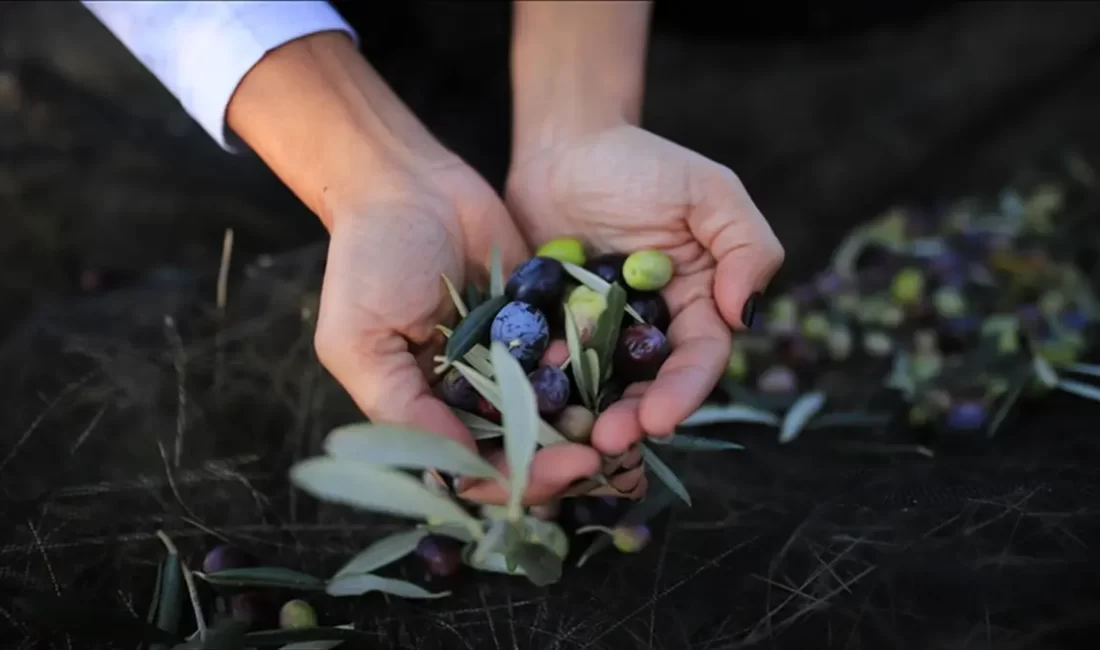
pixel 117 423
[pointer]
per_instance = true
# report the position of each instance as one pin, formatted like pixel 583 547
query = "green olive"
pixel 738 365
pixel 297 614
pixel 564 249
pixel 647 270
pixel 586 305
pixel 815 326
pixel 630 539
pixel 908 286
pixel 575 423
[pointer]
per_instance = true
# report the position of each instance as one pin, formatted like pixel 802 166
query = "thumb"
pixel 742 243
pixel 386 382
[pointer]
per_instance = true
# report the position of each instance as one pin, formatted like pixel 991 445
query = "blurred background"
pixel 113 207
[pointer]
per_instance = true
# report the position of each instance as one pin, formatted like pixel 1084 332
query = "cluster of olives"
pixel 531 325
pixel 257 608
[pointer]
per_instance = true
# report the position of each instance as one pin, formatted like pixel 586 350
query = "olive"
pixel 458 392
pixel 630 539
pixel 440 555
pixel 297 614
pixel 523 329
pixel 966 416
pixel 563 249
pixel 224 557
pixel 540 281
pixel 575 423
pixel 652 308
pixel 252 608
pixel 551 386
pixel 738 365
pixel 609 267
pixel 586 306
pixel 777 380
pixel 647 270
pixel 908 286
pixel 641 350
pixel 486 410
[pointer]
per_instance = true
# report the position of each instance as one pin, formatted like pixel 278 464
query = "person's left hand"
pixel 624 189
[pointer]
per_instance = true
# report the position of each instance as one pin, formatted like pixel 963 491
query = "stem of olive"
pixel 594 529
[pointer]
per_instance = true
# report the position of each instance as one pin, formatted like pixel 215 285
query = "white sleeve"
pixel 200 51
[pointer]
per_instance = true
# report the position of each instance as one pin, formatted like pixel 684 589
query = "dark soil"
pixel 115 422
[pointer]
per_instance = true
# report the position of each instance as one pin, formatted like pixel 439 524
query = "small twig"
pixel 179 358
pixel 222 299
pixel 189 579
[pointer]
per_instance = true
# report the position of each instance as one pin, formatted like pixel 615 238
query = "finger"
pixel 556 353
pixel 618 427
pixel 738 237
pixel 701 345
pixel 553 470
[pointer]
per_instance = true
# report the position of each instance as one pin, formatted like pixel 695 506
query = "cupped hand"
pixel 625 189
pixel 382 297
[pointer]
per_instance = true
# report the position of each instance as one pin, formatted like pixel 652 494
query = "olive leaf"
pixel 383 552
pixel 474 296
pixel 608 327
pixel 359 584
pixel 805 408
pixel 695 443
pixel 170 605
pixel 1008 402
pixel 1043 370
pixel 577 360
pixel 597 284
pixel 455 297
pixel 473 328
pixel 501 538
pixel 317 643
pixel 268 638
pixel 548 534
pixel 548 435
pixel 665 474
pixel 592 365
pixel 370 487
pixel 1090 369
pixel 460 533
pixel 657 501
pixel 520 416
pixel 711 414
pixel 396 446
pixel 478 358
pixel 1079 389
pixel 494 562
pixel 268 577
pixel 541 565
pixel 496 273
pixel 852 419
pixel 479 426
pixel 158 586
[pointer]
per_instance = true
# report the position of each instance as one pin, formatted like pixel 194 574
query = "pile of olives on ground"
pixel 530 319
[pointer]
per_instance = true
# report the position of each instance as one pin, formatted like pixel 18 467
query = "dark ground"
pixel 101 171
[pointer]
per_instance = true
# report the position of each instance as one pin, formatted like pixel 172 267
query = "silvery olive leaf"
pixel 578 362
pixel 494 562
pixel 548 435
pixel 799 415
pixel 520 417
pixel 479 426
pixel 397 446
pixel 263 576
pixel 496 273
pixel 665 474
pixel 596 283
pixel 1090 369
pixel 1043 370
pixel 540 564
pixel 548 534
pixel 370 487
pixel 592 365
pixel 1079 389
pixel 361 583
pixel 453 531
pixel 608 327
pixel 501 537
pixel 696 443
pixel 715 414
pixel 383 552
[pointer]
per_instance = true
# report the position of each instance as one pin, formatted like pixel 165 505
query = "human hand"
pixel 621 188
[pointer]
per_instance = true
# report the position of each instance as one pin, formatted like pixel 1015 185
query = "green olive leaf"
pixel 456 298
pixel 520 417
pixel 479 426
pixel 493 562
pixel 1079 389
pixel 370 487
pixel 326 643
pixel 170 605
pixel 695 443
pixel 714 414
pixel 263 576
pixel 501 538
pixel 383 552
pixel 665 474
pixel 460 533
pixel 577 361
pixel 496 273
pixel 396 446
pixel 158 586
pixel 473 328
pixel 548 435
pixel 359 584
pixel 803 410
pixel 596 283
pixel 540 564
pixel 269 638
pixel 607 329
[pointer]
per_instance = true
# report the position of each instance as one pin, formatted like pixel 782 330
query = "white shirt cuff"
pixel 201 51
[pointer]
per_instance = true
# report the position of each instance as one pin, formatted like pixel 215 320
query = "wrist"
pixel 328 125
pixel 577 68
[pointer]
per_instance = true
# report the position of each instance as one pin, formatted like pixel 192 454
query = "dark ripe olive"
pixel 254 608
pixel 524 330
pixel 612 392
pixel 966 416
pixel 458 392
pixel 609 267
pixel 486 410
pixel 540 281
pixel 641 350
pixel 552 390
pixel 652 308
pixel 441 556
pixel 224 557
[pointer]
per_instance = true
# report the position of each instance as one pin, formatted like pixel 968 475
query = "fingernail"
pixel 748 312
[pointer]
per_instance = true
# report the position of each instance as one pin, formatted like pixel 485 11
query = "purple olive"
pixel 551 386
pixel 967 416
pixel 458 392
pixel 609 267
pixel 641 350
pixel 224 557
pixel 539 281
pixel 1075 320
pixel 522 328
pixel 652 308
pixel 440 555
pixel 486 410
pixel 254 608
